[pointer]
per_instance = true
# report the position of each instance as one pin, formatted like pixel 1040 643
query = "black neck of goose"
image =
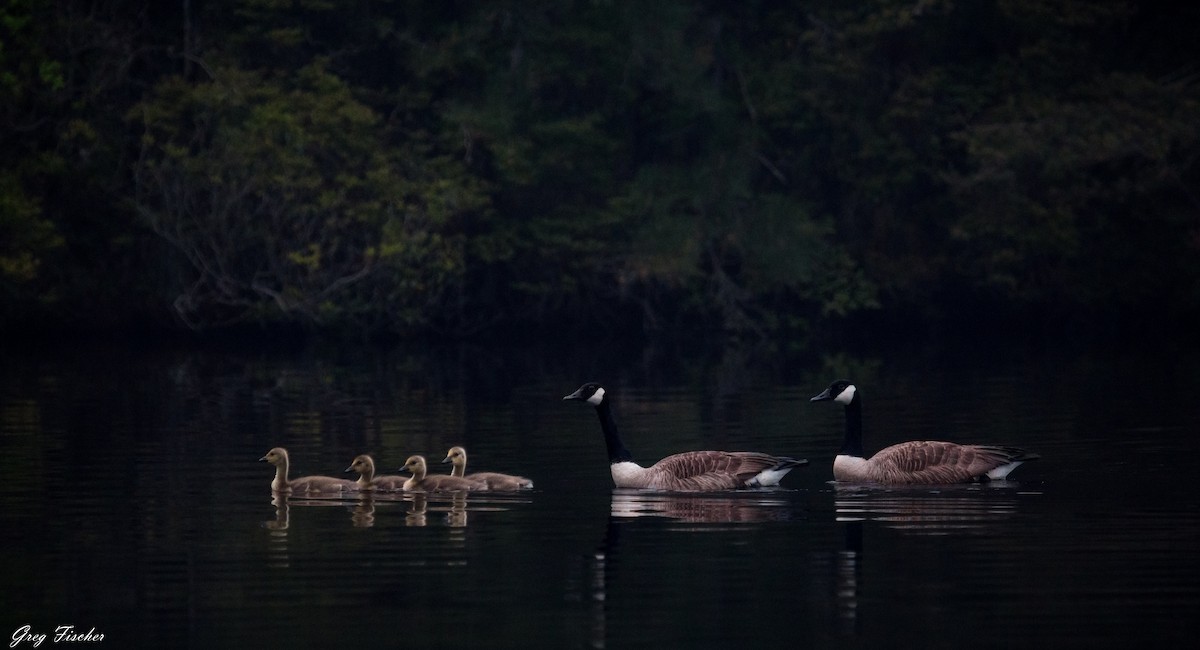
pixel 617 452
pixel 852 445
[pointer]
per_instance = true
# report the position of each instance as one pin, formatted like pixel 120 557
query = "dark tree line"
pixel 482 167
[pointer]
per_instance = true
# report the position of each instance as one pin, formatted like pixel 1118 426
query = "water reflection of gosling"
pixel 456 517
pixel 363 514
pixel 416 515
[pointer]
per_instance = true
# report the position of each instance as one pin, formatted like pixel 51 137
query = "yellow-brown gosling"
pixel 494 480
pixel 422 480
pixel 307 485
pixel 367 481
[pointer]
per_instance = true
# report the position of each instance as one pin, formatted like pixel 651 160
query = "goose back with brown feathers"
pixel 921 462
pixel 692 471
pixel 705 471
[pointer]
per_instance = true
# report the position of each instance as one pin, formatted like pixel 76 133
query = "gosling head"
pixel 415 465
pixel 276 456
pixel 363 464
pixel 457 456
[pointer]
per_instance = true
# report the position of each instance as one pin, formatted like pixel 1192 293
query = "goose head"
pixel 840 391
pixel 276 456
pixel 591 392
pixel 457 456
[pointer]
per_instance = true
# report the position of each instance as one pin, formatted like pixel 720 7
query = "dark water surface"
pixel 134 504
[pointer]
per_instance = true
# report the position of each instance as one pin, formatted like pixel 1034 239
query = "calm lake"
pixel 134 505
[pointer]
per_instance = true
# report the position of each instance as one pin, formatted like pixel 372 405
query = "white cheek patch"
pixel 846 396
pixel 596 397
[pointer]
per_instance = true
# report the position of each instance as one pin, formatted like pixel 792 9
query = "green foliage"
pixel 1079 192
pixel 1015 154
pixel 280 196
pixel 25 236
pixel 405 167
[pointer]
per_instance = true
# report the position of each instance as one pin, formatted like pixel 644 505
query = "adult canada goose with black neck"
pixel 494 480
pixel 695 471
pixel 920 462
pixel 422 480
pixel 367 481
pixel 306 485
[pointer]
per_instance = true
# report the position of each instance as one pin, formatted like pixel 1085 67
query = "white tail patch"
pixel 769 477
pixel 628 474
pixel 1001 472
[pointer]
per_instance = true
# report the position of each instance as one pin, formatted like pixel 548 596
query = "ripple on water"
pixel 929 510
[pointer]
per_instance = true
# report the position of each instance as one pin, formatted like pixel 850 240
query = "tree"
pixel 281 195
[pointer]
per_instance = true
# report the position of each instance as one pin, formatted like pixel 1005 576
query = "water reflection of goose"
pixel 694 508
pixel 940 511
pixel 849 572
pixel 601 564
pixel 923 462
pixel 690 471
pixel 604 563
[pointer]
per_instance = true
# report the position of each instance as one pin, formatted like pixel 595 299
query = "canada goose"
pixel 307 485
pixel 494 480
pixel 688 471
pixel 365 466
pixel 913 463
pixel 421 480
